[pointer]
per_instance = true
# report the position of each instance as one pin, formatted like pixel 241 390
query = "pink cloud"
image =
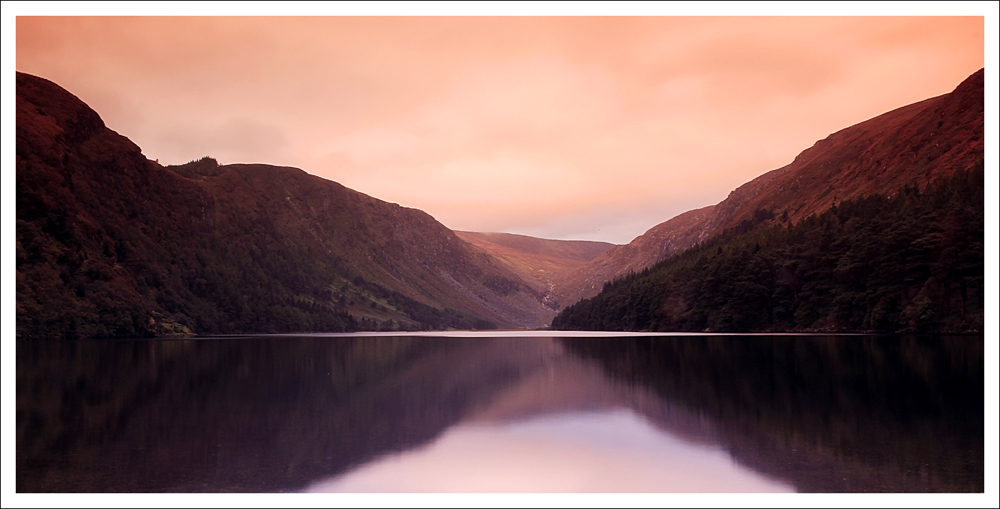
pixel 542 119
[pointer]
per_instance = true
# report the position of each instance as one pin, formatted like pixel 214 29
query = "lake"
pixel 502 412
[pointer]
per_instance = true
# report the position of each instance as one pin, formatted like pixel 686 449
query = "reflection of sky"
pixel 615 451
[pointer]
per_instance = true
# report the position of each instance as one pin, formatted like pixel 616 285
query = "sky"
pixel 590 128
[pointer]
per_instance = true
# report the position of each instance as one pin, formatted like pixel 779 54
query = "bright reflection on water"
pixel 614 451
pixel 491 414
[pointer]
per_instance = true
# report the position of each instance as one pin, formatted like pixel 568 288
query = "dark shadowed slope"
pixel 112 244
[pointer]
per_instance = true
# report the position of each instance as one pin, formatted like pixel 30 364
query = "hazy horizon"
pixel 572 128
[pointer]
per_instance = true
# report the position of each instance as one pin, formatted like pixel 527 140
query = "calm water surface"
pixel 696 414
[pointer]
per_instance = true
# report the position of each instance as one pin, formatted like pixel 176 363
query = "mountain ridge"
pixel 112 244
pixel 910 145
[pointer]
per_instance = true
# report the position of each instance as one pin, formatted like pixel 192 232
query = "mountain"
pixel 539 262
pixel 912 145
pixel 909 263
pixel 656 244
pixel 110 243
pixel 878 227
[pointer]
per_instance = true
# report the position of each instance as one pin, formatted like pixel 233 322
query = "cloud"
pixel 503 123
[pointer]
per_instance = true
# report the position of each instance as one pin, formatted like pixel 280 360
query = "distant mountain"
pixel 539 262
pixel 110 243
pixel 912 145
pixel 656 244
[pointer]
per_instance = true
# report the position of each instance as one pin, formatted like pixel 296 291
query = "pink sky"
pixel 592 128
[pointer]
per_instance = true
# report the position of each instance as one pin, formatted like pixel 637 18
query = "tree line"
pixel 912 262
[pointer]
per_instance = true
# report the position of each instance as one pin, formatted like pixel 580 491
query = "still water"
pixel 487 413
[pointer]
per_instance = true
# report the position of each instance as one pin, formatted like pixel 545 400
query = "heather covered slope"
pixel 909 146
pixel 110 243
pixel 539 262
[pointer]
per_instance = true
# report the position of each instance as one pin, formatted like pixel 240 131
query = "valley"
pixel 112 244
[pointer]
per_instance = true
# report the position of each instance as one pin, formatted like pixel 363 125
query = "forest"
pixel 912 262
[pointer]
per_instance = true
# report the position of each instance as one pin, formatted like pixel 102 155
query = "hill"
pixel 911 263
pixel 111 244
pixel 909 146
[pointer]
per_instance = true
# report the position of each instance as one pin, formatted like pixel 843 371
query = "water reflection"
pixel 826 413
pixel 658 414
pixel 604 452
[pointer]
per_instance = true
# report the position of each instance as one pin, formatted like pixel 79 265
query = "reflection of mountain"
pixel 829 414
pixel 241 414
pixel 569 383
pixel 604 451
pixel 280 413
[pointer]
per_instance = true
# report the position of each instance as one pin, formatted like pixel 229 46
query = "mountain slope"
pixel 912 145
pixel 912 263
pixel 539 262
pixel 112 244
pixel 656 244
